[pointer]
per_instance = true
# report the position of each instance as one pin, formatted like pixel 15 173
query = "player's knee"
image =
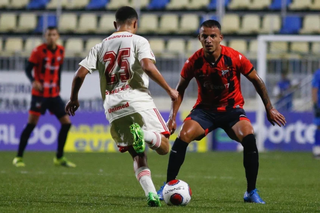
pixel 249 143
pixel 186 136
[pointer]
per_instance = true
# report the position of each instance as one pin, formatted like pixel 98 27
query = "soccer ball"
pixel 177 192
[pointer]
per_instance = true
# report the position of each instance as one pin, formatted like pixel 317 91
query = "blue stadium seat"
pixel 97 4
pixel 51 22
pixel 158 4
pixel 37 4
pixel 277 4
pixel 291 24
pixel 213 4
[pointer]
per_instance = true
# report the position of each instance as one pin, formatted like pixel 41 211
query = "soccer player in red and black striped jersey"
pixel 217 70
pixel 46 61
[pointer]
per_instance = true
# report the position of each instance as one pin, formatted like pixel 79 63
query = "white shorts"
pixel 149 120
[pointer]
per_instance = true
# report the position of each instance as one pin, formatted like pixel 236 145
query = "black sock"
pixel 63 133
pixel 24 137
pixel 250 161
pixel 177 155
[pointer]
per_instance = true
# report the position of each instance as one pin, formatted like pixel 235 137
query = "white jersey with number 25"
pixel 123 83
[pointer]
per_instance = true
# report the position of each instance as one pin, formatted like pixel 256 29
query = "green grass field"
pixel 288 182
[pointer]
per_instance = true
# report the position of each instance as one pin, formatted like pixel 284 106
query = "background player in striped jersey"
pixel 217 70
pixel 46 61
pixel 125 62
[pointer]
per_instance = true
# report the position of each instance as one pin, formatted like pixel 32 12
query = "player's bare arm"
pixel 151 70
pixel 181 87
pixel 73 103
pixel 273 115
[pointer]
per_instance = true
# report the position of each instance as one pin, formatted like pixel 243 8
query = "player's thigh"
pixel 37 108
pixel 240 130
pixel 153 121
pixel 191 130
pixel 56 107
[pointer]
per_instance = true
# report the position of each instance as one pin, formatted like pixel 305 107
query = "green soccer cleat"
pixel 153 200
pixel 138 140
pixel 63 162
pixel 18 162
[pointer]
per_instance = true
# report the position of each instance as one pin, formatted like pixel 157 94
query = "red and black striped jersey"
pixel 219 86
pixel 47 69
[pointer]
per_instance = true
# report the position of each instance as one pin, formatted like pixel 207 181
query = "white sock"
pixel 153 139
pixel 316 150
pixel 143 175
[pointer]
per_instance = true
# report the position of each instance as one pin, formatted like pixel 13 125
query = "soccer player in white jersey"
pixel 125 62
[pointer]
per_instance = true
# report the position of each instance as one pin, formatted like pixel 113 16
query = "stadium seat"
pixel 239 4
pixel 97 4
pixel 278 48
pixel 139 4
pixel 37 4
pixel 250 24
pixel 30 44
pixel 18 4
pixel 192 46
pixel 12 46
pixel 157 46
pixel 76 4
pixel 259 4
pixel 87 23
pixel 189 23
pixel 115 4
pixel 253 49
pixel 198 4
pixel 239 45
pixel 1 46
pixel 176 46
pixel 74 47
pixel 91 43
pixel 230 23
pixel 311 24
pixel 300 5
pixel 27 22
pixel 315 48
pixel 177 4
pixel 271 24
pixel 213 4
pixel 68 22
pixel 53 4
pixel 300 47
pixel 277 4
pixel 148 23
pixel 106 24
pixel 4 3
pixel 291 25
pixel 46 21
pixel 168 23
pixel 315 5
pixel 158 4
pixel 7 22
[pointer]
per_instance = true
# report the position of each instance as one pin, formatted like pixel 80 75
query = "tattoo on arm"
pixel 262 91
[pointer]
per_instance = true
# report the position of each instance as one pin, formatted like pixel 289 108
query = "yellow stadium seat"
pixel 30 44
pixel 278 47
pixel 53 4
pixel 300 4
pixel 168 23
pixel 91 43
pixel 315 48
pixel 18 4
pixel 4 3
pixel 76 4
pixel 139 4
pixel 74 47
pixel 106 24
pixel 12 46
pixel 239 4
pixel 193 45
pixel 271 23
pixel 177 4
pixel 198 4
pixel 230 24
pixel 189 23
pixel 67 22
pixel 311 24
pixel 1 46
pixel 315 5
pixel 250 24
pixel 157 45
pixel 7 22
pixel 115 4
pixel 300 47
pixel 253 49
pixel 239 45
pixel 259 4
pixel 176 46
pixel 87 23
pixel 27 22
pixel 148 23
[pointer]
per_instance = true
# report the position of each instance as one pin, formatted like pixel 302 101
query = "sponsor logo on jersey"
pixel 224 72
pixel 111 110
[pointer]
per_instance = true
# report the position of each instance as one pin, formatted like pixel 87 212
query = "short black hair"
pixel 52 28
pixel 125 14
pixel 211 23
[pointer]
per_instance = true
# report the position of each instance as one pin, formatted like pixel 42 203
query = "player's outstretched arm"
pixel 151 70
pixel 273 115
pixel 73 103
pixel 181 87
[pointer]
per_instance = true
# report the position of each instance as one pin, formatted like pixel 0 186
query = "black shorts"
pixel 55 105
pixel 211 120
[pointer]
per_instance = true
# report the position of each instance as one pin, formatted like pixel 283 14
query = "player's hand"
pixel 172 125
pixel 276 117
pixel 174 94
pixel 37 86
pixel 71 107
